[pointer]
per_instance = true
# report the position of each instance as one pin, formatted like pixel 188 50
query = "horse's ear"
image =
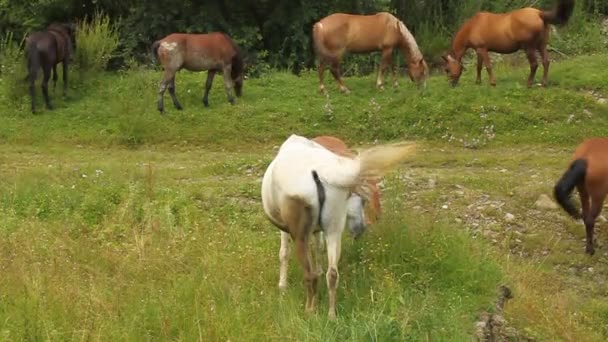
pixel 445 58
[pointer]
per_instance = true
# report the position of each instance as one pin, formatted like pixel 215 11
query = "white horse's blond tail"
pixel 376 161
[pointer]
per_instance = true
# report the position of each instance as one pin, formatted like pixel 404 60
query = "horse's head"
pixel 453 68
pixel 355 215
pixel 418 72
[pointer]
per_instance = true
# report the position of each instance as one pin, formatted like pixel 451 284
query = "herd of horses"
pixel 319 186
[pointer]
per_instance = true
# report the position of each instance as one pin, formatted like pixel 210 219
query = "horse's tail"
pixel 560 14
pixel 154 49
pixel 317 39
pixel 32 55
pixel 564 187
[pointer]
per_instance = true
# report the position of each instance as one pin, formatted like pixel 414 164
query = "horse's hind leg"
pixel 228 83
pixel 55 77
pixel 171 86
pixel 321 76
pixel 335 71
pixel 597 201
pixel 45 86
pixel 332 276
pixel 162 86
pixel 545 58
pixel 531 54
pixel 65 77
pixel 208 84
pixel 32 75
pixel 284 260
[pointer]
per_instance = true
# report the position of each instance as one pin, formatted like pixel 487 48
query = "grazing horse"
pixel 307 189
pixel 339 147
pixel 46 49
pixel 339 33
pixel 215 52
pixel 505 33
pixel 588 172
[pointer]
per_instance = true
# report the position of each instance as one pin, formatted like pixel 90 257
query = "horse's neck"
pixel 460 42
pixel 409 45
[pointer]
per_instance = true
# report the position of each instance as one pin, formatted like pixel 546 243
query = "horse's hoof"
pixel 179 107
pixel 331 315
pixel 590 250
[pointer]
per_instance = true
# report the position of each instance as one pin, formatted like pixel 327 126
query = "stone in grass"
pixel 544 202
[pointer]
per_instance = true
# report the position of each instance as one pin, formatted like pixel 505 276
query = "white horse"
pixel 308 189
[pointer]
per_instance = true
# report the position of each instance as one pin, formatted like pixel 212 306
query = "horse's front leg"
pixel 486 61
pixel 479 67
pixel 321 71
pixel 228 83
pixel 384 62
pixel 284 260
pixel 208 84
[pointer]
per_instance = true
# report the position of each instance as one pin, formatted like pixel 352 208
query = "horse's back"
pixel 197 51
pixel 505 32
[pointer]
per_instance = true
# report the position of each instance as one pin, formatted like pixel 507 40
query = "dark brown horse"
pixel 588 173
pixel 199 52
pixel 46 49
pixel 339 33
pixel 525 28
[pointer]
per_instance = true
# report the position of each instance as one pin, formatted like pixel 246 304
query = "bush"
pixel 96 43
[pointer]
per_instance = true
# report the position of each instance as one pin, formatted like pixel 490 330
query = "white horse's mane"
pixel 415 53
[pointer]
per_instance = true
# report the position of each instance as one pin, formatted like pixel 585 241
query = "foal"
pixel 525 28
pixel 215 52
pixel 588 172
pixel 307 188
pixel 46 49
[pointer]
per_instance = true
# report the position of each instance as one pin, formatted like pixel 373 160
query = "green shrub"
pixel 12 69
pixel 96 42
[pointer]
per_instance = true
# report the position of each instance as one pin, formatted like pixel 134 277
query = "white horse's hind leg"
pixel 334 244
pixel 317 249
pixel 284 259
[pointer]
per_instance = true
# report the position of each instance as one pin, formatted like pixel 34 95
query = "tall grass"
pixel 13 69
pixel 97 40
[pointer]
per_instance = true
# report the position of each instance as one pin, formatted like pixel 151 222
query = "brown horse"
pixel 339 147
pixel 588 172
pixel 505 33
pixel 339 33
pixel 46 49
pixel 199 52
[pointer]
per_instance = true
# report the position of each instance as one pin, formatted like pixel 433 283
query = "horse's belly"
pixel 202 63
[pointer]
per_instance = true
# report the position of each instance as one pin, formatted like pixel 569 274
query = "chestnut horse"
pixel 307 189
pixel 505 33
pixel 588 172
pixel 215 52
pixel 44 50
pixel 339 33
pixel 339 147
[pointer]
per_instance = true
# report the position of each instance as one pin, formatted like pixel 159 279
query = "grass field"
pixel 121 224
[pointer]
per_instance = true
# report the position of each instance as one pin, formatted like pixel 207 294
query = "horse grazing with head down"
pixel 215 52
pixel 44 50
pixel 588 172
pixel 505 33
pixel 339 33
pixel 307 189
